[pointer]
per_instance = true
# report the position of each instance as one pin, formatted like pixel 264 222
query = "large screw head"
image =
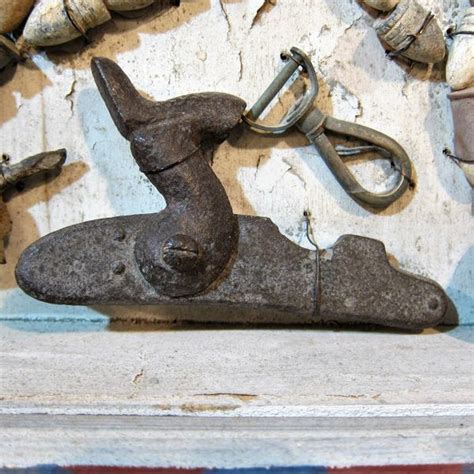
pixel 182 253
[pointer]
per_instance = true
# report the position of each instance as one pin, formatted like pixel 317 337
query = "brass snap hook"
pixel 309 120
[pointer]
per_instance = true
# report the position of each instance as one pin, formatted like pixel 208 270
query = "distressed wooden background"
pixel 67 361
pixel 234 46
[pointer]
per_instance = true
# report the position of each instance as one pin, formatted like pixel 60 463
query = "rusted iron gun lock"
pixel 308 119
pixel 197 251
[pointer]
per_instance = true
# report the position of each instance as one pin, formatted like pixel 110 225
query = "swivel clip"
pixel 310 120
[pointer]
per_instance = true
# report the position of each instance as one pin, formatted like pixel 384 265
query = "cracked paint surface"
pixel 234 47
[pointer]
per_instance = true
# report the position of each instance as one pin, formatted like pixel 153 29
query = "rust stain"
pixel 244 397
pixel 203 407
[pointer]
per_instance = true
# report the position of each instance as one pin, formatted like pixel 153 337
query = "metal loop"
pixel 410 39
pixel 388 149
pixel 298 59
pixel 313 123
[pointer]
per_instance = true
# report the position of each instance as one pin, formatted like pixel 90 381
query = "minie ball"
pixel 407 21
pixel 460 66
pixel 382 5
pixel 54 22
pixel 127 5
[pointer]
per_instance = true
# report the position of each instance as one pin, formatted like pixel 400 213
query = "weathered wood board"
pixel 372 398
pixel 235 442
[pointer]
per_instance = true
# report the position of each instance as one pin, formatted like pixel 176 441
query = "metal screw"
pixel 120 234
pixel 118 268
pixel 182 253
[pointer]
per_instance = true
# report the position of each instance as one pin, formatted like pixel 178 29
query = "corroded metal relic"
pixel 460 76
pixel 54 22
pixel 197 251
pixel 382 5
pixel 12 175
pixel 411 31
pixel 316 126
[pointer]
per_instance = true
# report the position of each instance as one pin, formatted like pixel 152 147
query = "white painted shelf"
pixel 234 442
pixel 198 396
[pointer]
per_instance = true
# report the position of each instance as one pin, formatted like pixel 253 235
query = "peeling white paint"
pixel 234 47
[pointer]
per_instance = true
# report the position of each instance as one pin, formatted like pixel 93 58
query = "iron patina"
pixel 197 251
pixel 13 174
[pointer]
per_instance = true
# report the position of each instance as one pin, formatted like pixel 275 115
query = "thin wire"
pixel 410 39
pixel 353 151
pixel 359 150
pixel 312 241
pixel 309 229
pixel 452 32
pixel 411 182
pixel 67 9
pixel 447 152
